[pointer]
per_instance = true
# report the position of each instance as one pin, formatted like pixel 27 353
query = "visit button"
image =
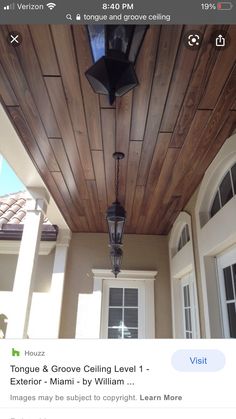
pixel 198 360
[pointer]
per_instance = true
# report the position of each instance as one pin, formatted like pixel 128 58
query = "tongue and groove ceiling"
pixel 170 127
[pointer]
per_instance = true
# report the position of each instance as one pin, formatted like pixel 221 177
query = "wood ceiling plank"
pixel 30 65
pixel 63 41
pixel 202 71
pixel 53 180
pixel 132 173
pixel 21 89
pixel 93 197
pixel 44 47
pixel 91 99
pixel 215 123
pixel 186 59
pixel 57 96
pixel 27 138
pixel 69 205
pixel 91 220
pixel 155 203
pixel 99 168
pixel 62 160
pixel 123 119
pixel 204 143
pixel 188 154
pixel 56 194
pixel 214 147
pixel 168 46
pixel 137 209
pixel 144 68
pixel 170 216
pixel 159 155
pixel 109 134
pixel 6 91
pixel 104 102
pixel 221 71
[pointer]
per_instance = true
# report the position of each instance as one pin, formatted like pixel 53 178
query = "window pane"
pixel 115 317
pixel 131 317
pixel 232 319
pixel 186 296
pixel 226 192
pixel 233 170
pixel 215 206
pixel 188 325
pixel 185 235
pixel 131 334
pixel 234 275
pixel 131 297
pixel 228 283
pixel 180 243
pixel 116 297
pixel 114 334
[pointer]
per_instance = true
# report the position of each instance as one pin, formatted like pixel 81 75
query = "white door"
pixel 227 286
pixel 188 307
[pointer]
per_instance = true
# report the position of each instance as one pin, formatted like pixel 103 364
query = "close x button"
pixel 14 39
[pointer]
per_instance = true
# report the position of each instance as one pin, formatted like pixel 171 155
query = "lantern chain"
pixel 117 170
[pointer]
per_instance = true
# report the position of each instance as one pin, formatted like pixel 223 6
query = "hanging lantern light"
pixel 116 254
pixel 116 216
pixel 115 49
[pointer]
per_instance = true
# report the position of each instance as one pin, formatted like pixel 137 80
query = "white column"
pixel 57 284
pixel 26 266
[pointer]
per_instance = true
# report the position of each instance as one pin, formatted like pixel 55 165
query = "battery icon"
pixel 225 5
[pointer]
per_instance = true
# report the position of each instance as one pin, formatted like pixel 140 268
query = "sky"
pixel 9 182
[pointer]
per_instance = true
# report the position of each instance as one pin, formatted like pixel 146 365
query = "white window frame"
pixel 107 285
pixel 224 260
pixel 139 279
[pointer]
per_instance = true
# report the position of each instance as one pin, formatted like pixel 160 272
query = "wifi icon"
pixel 51 5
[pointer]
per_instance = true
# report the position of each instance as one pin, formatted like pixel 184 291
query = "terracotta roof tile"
pixel 13 208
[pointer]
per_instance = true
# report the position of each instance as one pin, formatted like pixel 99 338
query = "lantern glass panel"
pixel 115 231
pixel 97 41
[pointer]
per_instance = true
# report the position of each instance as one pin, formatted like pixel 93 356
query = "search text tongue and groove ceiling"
pixel 170 127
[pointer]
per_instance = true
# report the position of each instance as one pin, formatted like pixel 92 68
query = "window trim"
pixel 217 191
pixel 148 277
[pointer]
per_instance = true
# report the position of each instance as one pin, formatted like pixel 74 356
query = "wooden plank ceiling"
pixel 170 127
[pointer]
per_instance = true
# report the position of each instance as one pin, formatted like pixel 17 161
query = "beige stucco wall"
pixel 90 251
pixel 43 273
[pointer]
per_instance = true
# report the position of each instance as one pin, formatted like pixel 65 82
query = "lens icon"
pixel 193 40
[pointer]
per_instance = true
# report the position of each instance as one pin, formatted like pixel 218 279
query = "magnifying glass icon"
pixel 68 16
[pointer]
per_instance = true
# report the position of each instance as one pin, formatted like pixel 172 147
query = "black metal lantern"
pixel 116 216
pixel 116 254
pixel 115 49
